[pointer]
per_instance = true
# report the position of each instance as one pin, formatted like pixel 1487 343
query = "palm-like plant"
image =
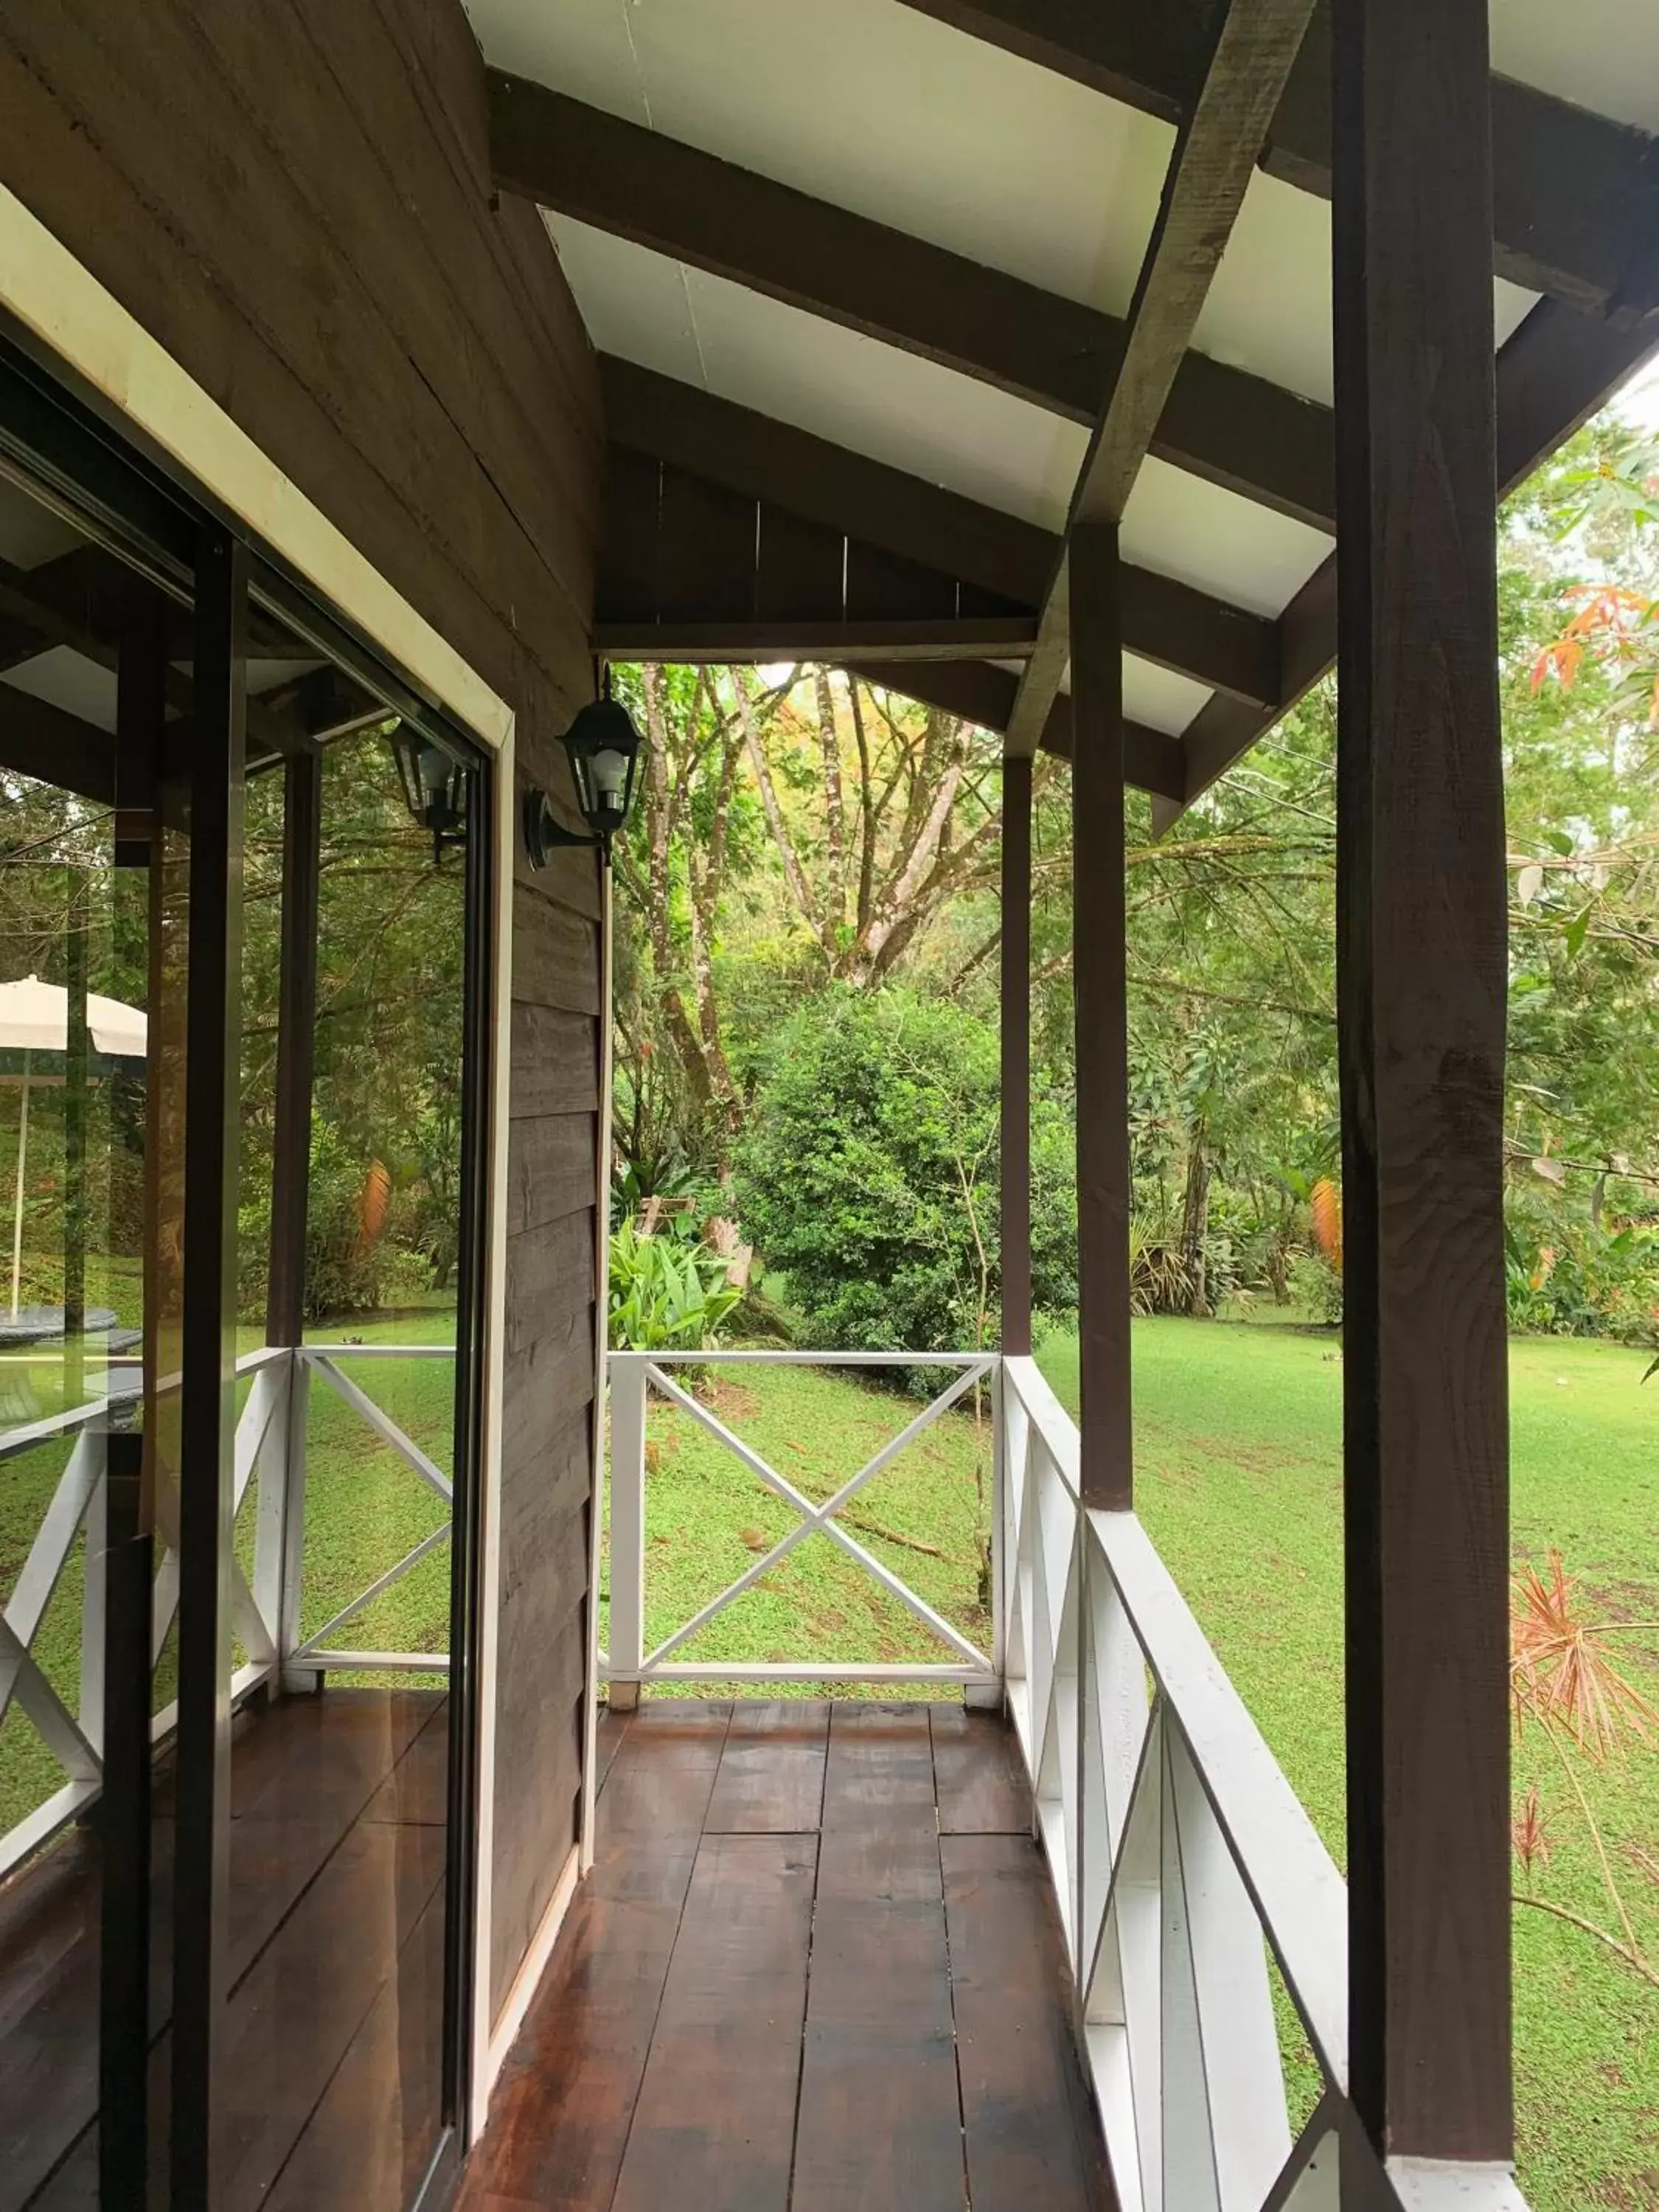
pixel 1564 1682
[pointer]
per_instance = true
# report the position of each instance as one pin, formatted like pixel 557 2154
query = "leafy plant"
pixel 1564 1684
pixel 666 1293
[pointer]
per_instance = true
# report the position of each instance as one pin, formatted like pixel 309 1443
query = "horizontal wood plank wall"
pixel 296 201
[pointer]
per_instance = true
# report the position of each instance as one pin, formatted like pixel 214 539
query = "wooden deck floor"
pixel 333 2041
pixel 816 1968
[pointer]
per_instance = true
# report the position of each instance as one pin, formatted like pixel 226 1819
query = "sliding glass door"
pixel 244 1011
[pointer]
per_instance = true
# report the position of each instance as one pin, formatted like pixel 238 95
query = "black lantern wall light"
pixel 604 749
pixel 434 788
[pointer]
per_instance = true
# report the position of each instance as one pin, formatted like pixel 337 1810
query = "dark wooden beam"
pixel 1221 424
pixel 981 692
pixel 1421 991
pixel 1166 622
pixel 1100 997
pixel 1209 174
pixel 53 747
pixel 1576 195
pixel 707 644
pixel 1015 1171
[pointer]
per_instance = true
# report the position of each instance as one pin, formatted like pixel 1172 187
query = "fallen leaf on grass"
pixel 755 1538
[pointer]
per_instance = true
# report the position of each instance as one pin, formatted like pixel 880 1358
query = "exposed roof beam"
pixel 1221 424
pixel 1209 173
pixel 695 644
pixel 1575 195
pixel 980 693
pixel 51 746
pixel 1166 622
pixel 1556 371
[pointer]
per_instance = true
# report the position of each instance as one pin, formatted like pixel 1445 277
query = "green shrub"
pixel 868 1175
pixel 666 1293
pixel 349 1270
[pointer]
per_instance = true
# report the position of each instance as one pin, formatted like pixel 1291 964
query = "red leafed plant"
pixel 1564 1682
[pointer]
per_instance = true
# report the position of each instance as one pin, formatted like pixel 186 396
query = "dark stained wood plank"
pixel 625 588
pixel 551 1168
pixel 565 2097
pixel 706 550
pixel 1421 992
pixel 322 1756
pixel 555 955
pixel 771 1772
pixel 370 2140
pixel 417 1788
pixel 1222 423
pixel 662 1776
pixel 800 577
pixel 612 1727
pixel 714 2127
pixel 883 586
pixel 880 1777
pixel 880 2120
pixel 1029 2120
pixel 977 1774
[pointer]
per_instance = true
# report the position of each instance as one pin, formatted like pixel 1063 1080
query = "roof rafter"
pixel 1575 195
pixel 1166 622
pixel 1209 173
pixel 981 692
pixel 1223 424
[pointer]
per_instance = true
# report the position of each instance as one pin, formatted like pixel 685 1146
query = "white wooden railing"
pixel 1185 1870
pixel 267 1606
pixel 633 1375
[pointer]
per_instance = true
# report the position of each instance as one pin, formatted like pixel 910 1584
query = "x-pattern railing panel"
pixel 268 1451
pixel 632 1377
pixel 1184 1867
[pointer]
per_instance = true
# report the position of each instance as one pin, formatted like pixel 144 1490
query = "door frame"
pixel 58 316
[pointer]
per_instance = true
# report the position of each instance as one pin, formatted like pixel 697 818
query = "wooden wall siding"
pixel 295 201
pixel 675 547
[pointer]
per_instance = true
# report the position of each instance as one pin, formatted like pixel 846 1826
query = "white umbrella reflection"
pixel 35 1017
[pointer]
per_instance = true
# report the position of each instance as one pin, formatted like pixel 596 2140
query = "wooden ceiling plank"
pixel 699 644
pixel 1170 623
pixel 1224 424
pixel 1209 174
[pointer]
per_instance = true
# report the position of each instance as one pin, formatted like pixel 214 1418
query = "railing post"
pixel 95 1594
pixel 627 1643
pixel 271 1473
pixel 289 1630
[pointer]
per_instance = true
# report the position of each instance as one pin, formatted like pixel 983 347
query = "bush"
pixel 868 1174
pixel 1579 1278
pixel 666 1293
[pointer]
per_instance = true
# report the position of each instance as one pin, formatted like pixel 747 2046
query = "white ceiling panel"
pixel 1600 54
pixel 853 391
pixel 1206 536
pixel 63 678
pixel 875 108
pixel 1269 305
pixel 1158 697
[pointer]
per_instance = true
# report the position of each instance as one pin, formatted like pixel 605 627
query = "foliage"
pixel 356 1259
pixel 1564 1682
pixel 868 1172
pixel 666 1294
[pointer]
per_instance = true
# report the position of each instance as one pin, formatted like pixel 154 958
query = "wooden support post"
pixel 207 1410
pixel 1099 991
pixel 296 1023
pixel 1421 990
pixel 1016 1138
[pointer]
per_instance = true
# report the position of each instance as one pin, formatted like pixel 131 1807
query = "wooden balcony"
pixel 817 1965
